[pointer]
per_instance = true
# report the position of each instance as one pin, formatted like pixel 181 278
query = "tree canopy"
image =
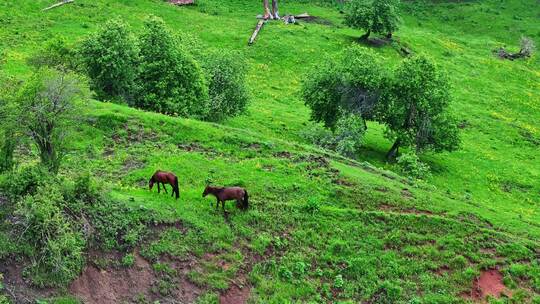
pixel 377 16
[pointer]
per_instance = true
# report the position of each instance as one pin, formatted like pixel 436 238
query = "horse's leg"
pixel 217 203
pixel 158 188
pixel 165 188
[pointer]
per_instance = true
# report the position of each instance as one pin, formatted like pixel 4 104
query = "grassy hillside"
pixel 321 228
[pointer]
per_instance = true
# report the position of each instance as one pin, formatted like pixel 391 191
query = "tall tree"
pixel 377 16
pixel 111 57
pixel 350 84
pixel 170 80
pixel 47 108
pixel 415 110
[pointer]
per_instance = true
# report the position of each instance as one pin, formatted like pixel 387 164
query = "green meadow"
pixel 321 228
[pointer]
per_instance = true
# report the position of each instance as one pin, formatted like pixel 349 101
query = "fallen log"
pixel 58 4
pixel 258 28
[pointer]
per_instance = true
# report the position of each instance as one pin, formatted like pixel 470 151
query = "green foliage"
pixel 59 246
pixel 110 57
pixel 415 110
pixel 25 181
pixel 411 166
pixel 170 81
pixel 378 16
pixel 57 54
pixel 47 110
pixel 9 128
pixel 349 84
pixel 226 77
pixel 128 260
pixel 349 134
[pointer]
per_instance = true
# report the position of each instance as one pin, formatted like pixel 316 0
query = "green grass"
pixel 327 231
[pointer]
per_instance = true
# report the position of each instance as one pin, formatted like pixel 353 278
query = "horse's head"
pixel 206 191
pixel 151 183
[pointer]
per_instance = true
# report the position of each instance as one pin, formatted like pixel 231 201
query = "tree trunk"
pixel 394 151
pixel 366 35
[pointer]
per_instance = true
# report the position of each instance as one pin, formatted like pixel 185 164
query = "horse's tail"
pixel 176 188
pixel 246 200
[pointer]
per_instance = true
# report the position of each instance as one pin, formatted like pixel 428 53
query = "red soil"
pixel 235 295
pixel 490 283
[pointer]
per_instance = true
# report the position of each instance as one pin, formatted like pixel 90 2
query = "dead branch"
pixel 258 28
pixel 58 4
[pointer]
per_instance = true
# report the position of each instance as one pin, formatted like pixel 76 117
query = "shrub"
pixel 349 135
pixel 378 16
pixel 410 165
pixel 110 57
pixel 47 104
pixel 346 139
pixel 59 246
pixel 170 81
pixel 25 181
pixel 226 76
pixel 56 53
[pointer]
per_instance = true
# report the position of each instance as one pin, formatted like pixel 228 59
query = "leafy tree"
pixel 350 84
pixel 377 16
pixel 170 80
pixel 110 57
pixel 47 103
pixel 226 76
pixel 415 109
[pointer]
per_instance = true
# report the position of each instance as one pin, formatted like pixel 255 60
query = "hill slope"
pixel 321 228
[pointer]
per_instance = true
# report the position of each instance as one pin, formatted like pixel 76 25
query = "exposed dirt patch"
pixel 181 2
pixel 19 289
pixel 235 295
pixel 114 285
pixel 132 164
pixel 192 147
pixel 382 189
pixel 489 283
pixel 397 209
pixel 316 20
pixel 343 182
pixel 283 154
pixel 406 193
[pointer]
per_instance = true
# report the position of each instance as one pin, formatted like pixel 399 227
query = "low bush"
pixel 410 165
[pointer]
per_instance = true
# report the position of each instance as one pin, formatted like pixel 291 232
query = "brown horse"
pixel 162 177
pixel 223 194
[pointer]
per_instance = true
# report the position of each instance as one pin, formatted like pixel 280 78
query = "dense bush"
pixel 170 80
pixel 58 219
pixel 110 57
pixel 225 73
pixel 410 165
pixel 377 16
pixel 59 245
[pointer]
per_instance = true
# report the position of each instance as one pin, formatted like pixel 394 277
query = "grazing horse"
pixel 223 194
pixel 162 177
